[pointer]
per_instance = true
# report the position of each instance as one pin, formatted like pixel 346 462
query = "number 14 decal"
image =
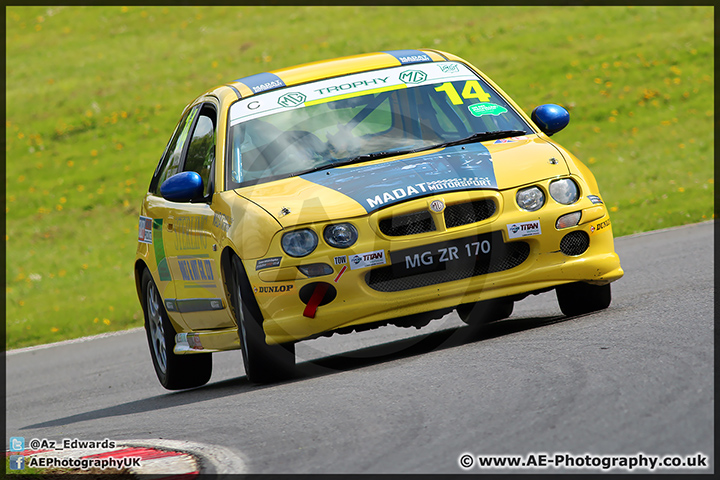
pixel 472 89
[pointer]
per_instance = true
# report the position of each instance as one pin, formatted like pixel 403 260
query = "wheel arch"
pixel 139 268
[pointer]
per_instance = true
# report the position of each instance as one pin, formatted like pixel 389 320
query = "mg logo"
pixel 437 206
pixel 292 99
pixel 413 76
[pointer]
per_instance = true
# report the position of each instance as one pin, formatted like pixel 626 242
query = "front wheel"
pixel 580 298
pixel 486 311
pixel 263 363
pixel 175 372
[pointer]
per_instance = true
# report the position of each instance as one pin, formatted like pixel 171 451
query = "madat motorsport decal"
pixel 379 185
pixel 409 56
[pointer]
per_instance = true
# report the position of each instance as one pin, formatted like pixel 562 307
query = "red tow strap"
pixel 315 299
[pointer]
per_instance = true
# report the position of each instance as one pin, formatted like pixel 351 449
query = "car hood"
pixel 359 189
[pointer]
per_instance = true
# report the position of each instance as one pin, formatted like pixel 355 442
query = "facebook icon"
pixel 17 462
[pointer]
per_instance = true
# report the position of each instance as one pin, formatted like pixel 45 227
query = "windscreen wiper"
pixel 359 159
pixel 475 137
pixel 480 137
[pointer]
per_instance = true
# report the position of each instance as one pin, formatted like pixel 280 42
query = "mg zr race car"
pixel 392 187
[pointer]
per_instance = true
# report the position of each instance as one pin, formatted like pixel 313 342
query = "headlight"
pixel 530 198
pixel 342 235
pixel 299 242
pixel 564 191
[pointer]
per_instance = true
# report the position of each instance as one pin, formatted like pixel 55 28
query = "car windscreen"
pixel 288 131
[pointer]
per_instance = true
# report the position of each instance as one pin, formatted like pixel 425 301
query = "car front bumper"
pixel 401 267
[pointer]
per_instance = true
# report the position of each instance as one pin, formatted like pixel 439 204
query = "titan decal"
pixel 524 229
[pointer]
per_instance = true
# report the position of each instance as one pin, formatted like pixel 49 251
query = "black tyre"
pixel 579 298
pixel 486 311
pixel 175 372
pixel 263 363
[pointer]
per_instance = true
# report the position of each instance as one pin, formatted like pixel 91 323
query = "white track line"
pixel 74 340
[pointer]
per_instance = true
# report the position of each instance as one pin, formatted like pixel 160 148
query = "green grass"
pixel 93 94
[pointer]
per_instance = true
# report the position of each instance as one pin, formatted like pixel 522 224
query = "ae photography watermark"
pixel 43 453
pixel 587 461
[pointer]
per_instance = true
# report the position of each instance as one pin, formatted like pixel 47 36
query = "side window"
pixel 201 151
pixel 170 163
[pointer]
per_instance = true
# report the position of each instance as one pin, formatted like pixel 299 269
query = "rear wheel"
pixel 579 298
pixel 263 363
pixel 175 372
pixel 486 311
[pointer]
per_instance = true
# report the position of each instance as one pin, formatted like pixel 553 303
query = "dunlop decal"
pixel 274 289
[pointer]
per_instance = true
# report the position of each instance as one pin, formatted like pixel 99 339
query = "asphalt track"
pixel 636 378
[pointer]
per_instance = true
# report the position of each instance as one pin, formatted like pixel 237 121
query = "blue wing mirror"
pixel 550 118
pixel 183 187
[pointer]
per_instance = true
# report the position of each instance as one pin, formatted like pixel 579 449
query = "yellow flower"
pixel 62 273
pixel 681 189
pixel 70 163
pixel 54 329
pixel 106 321
pixel 63 200
pixel 21 302
pixel 96 320
pixel 613 209
pixel 85 266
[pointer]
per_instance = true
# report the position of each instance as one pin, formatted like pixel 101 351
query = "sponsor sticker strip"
pixel 346 87
pixel 524 229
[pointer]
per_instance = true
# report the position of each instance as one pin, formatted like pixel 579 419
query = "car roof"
pixel 309 72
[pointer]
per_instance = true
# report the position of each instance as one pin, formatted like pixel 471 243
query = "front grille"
pixel 575 243
pixel 407 224
pixel 470 212
pixel 504 256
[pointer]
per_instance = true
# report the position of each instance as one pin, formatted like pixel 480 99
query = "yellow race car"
pixel 391 187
